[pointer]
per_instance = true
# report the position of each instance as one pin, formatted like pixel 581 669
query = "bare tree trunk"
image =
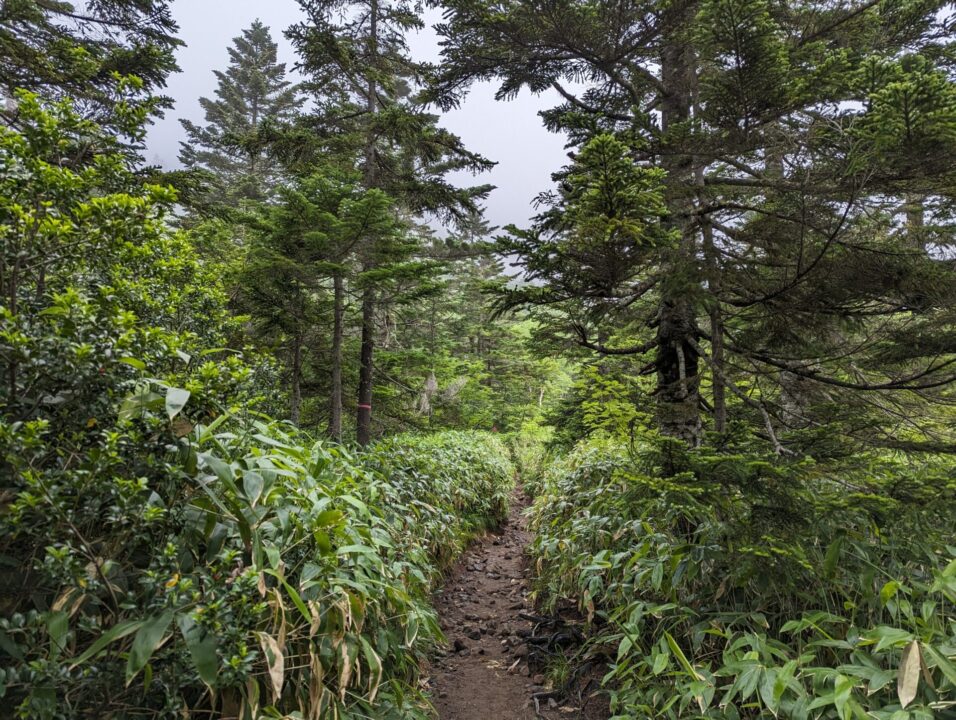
pixel 335 400
pixel 364 416
pixel 717 355
pixel 295 403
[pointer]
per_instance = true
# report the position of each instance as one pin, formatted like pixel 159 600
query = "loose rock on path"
pixel 484 674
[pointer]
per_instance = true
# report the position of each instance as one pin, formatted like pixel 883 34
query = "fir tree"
pixel 252 91
pixel 76 50
pixel 363 79
pixel 298 258
pixel 806 153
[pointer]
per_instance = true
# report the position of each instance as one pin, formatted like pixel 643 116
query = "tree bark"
pixel 364 415
pixel 677 362
pixel 335 399
pixel 295 402
pixel 717 355
pixel 363 422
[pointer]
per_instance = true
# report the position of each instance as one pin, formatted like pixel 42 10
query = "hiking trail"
pixel 486 616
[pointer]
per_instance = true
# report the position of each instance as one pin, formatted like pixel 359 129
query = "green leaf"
pixel 202 648
pixel 120 630
pixel 411 630
pixel 10 647
pixel 681 658
pixel 148 638
pixel 747 680
pixel 886 637
pixel 296 598
pixel 375 668
pixel 843 689
pixel 176 399
pixel 137 403
pixel 329 517
pixel 324 542
pixel 252 483
pixel 879 680
pixel 942 662
pixel 274 556
pixel 768 681
pixel 356 550
pixel 57 625
pixel 221 470
pixel 832 557
pixel 133 362
pixel 660 663
pixel 889 591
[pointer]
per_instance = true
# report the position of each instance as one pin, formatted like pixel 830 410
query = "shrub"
pixel 277 577
pixel 744 586
pixel 529 449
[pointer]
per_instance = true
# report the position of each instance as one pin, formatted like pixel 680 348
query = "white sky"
pixel 507 132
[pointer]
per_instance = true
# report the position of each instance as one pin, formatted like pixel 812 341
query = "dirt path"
pixel 485 674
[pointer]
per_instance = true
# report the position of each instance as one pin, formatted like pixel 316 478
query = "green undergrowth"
pixel 744 586
pixel 531 455
pixel 268 577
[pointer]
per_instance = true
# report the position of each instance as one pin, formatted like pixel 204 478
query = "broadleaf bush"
pixel 279 577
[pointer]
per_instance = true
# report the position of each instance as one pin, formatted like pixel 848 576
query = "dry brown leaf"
pixel 316 611
pixel 345 672
pixel 907 681
pixel 276 662
pixel 180 426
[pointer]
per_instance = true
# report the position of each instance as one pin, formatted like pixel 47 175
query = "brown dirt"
pixel 484 674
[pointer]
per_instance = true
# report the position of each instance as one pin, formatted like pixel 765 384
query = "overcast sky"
pixel 507 132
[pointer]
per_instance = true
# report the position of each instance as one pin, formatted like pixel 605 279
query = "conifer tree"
pixel 253 90
pixel 302 247
pixel 75 50
pixel 363 80
pixel 805 154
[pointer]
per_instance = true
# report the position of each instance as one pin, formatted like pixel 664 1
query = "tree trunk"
pixel 677 362
pixel 717 357
pixel 335 400
pixel 363 422
pixel 678 378
pixel 295 403
pixel 364 415
pixel 915 221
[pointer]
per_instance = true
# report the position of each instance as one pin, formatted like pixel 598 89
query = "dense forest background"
pixel 252 409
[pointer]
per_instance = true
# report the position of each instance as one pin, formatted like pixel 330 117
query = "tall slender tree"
pixel 794 139
pixel 363 79
pixel 303 243
pixel 252 91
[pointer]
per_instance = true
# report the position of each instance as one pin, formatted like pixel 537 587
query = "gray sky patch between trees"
pixel 507 132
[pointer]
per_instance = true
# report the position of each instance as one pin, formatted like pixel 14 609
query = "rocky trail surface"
pixel 489 670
